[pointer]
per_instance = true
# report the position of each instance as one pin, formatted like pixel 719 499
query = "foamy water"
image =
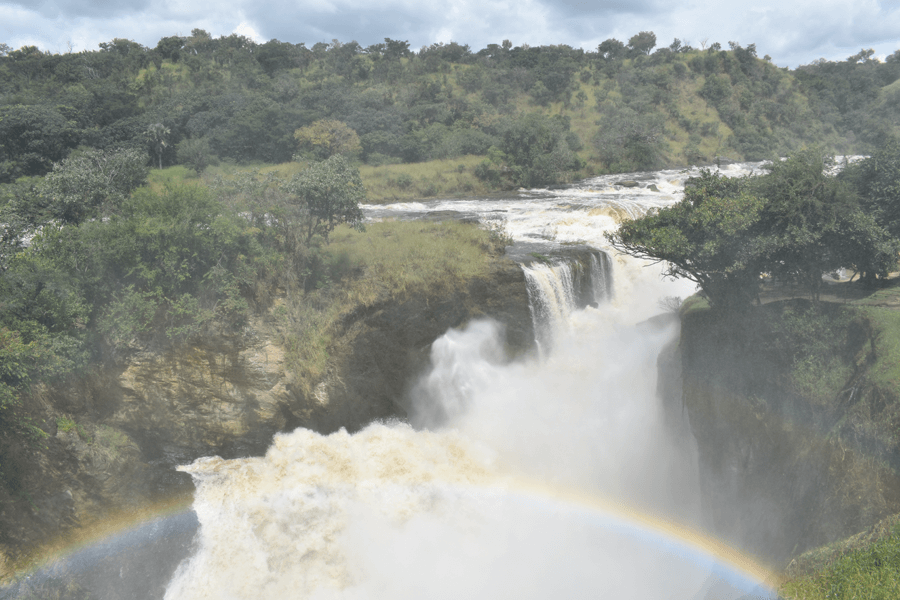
pixel 527 479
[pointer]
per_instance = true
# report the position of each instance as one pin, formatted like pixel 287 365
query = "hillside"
pixel 536 115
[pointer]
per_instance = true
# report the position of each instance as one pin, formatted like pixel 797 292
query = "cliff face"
pixel 778 473
pixel 129 425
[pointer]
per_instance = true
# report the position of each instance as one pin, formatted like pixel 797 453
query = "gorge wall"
pixel 131 422
pixel 780 473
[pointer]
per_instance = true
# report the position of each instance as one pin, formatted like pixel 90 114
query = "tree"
pixel 195 153
pixel 533 150
pixel 709 238
pixel 92 183
pixel 628 141
pixel 32 138
pixel 796 223
pixel 813 222
pixel 328 193
pixel 877 181
pixel 611 49
pixel 327 137
pixel 643 42
pixel 157 133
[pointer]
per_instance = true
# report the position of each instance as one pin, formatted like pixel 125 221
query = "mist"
pixel 513 478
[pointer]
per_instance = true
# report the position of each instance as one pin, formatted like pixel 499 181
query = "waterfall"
pixel 512 480
pixel 555 289
pixel 601 276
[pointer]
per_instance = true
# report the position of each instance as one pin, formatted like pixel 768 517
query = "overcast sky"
pixel 792 32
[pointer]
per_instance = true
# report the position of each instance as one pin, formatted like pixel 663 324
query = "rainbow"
pixel 659 530
pixel 739 569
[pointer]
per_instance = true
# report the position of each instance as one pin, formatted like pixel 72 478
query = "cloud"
pixel 81 8
pixel 792 32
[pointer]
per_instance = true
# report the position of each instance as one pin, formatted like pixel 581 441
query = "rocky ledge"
pixel 128 425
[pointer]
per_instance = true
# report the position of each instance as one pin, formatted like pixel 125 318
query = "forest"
pixel 97 262
pixel 536 115
pixel 150 197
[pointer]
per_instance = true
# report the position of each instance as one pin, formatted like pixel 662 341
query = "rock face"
pixel 774 480
pixel 131 424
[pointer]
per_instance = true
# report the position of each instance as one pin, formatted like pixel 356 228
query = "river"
pixel 557 474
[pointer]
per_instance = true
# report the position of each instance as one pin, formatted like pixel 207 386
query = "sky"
pixel 792 32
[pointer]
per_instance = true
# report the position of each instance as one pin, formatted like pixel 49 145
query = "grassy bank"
pixel 447 177
pixel 863 567
pixel 383 183
pixel 390 261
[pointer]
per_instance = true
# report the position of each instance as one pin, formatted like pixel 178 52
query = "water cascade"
pixel 558 287
pixel 528 478
pixel 559 474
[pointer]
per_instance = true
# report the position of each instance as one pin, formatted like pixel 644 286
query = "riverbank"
pixel 335 357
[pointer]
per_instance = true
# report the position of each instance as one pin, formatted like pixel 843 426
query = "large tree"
pixel 877 181
pixel 796 223
pixel 814 223
pixel 32 138
pixel 328 193
pixel 92 183
pixel 327 137
pixel 643 42
pixel 709 238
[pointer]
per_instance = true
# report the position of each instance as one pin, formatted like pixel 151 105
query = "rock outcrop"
pixel 777 477
pixel 130 424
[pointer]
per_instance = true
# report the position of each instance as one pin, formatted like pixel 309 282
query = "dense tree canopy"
pixel 92 183
pixel 633 106
pixel 710 237
pixel 327 137
pixel 797 223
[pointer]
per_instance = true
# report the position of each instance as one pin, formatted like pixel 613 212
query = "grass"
pixel 885 372
pixel 158 179
pixel 383 183
pixel 390 261
pixel 864 567
pixel 409 181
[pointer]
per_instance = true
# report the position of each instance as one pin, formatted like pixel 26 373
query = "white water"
pixel 470 503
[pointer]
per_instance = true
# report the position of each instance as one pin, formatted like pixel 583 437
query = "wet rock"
pixel 775 480
pixel 627 183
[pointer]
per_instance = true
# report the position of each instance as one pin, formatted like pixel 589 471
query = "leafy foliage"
pixel 92 183
pixel 654 106
pixel 797 223
pixel 815 224
pixel 329 193
pixel 533 150
pixel 32 138
pixel 327 137
pixel 709 238
pixel 877 180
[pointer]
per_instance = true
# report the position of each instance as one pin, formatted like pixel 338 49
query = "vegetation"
pixel 866 567
pixel 794 224
pixel 151 196
pixel 113 265
pixel 390 261
pixel 536 115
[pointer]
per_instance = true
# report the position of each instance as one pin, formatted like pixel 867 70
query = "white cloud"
pixel 247 30
pixel 791 32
